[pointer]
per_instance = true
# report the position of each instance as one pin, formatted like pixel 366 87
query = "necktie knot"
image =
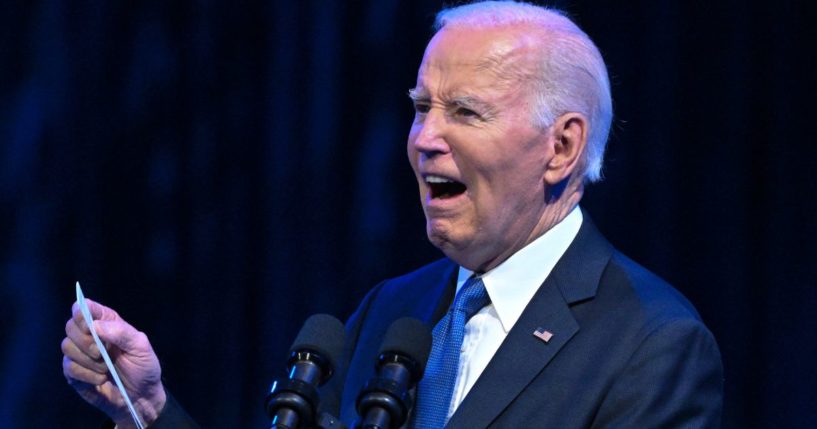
pixel 471 297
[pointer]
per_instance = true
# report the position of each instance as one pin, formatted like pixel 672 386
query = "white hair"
pixel 573 75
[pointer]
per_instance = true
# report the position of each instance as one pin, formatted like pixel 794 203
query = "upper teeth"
pixel 437 179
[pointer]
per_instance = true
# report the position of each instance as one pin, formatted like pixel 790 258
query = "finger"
pixel 121 334
pixel 74 372
pixel 101 312
pixel 82 339
pixel 78 319
pixel 97 310
pixel 70 350
pixel 80 386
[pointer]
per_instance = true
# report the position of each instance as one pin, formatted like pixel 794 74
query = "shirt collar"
pixel 512 284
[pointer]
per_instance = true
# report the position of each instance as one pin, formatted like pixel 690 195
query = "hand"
pixel 131 353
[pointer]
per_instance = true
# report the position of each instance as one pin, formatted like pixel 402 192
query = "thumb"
pixel 118 333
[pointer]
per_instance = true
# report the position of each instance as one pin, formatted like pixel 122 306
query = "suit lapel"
pixel 441 294
pixel 519 359
pixel 522 356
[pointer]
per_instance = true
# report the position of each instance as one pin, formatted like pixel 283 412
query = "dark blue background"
pixel 218 171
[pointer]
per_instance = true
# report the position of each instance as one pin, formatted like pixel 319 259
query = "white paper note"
pixel 86 313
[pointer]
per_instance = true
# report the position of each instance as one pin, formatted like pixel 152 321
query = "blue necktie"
pixel 437 386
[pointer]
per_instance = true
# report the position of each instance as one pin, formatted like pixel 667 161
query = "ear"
pixel 569 134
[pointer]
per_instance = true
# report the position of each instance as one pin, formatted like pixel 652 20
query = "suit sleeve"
pixel 172 416
pixel 674 379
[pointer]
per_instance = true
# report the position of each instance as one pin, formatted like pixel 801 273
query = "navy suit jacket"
pixel 628 351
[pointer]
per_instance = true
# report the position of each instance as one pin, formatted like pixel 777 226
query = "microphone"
pixel 293 403
pixel 384 402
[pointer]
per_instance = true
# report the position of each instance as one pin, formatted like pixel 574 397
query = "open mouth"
pixel 443 187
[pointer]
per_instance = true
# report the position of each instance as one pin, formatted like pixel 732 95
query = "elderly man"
pixel 538 320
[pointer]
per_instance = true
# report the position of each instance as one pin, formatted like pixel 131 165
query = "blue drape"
pixel 218 171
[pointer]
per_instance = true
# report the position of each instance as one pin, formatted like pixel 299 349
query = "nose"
pixel 428 136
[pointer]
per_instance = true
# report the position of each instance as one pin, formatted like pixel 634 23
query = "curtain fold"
pixel 219 171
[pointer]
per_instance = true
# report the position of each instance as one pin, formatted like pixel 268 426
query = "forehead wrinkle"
pixel 439 85
pixel 510 61
pixel 449 81
pixel 458 95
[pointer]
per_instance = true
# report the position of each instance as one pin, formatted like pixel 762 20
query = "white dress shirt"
pixel 510 285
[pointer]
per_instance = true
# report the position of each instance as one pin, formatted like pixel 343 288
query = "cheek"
pixel 411 149
pixel 507 193
pixel 412 155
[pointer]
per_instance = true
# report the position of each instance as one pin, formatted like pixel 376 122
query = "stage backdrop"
pixel 218 171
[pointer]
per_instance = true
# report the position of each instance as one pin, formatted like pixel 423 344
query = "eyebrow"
pixel 470 101
pixel 420 94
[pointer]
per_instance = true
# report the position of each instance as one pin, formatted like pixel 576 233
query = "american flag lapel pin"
pixel 543 334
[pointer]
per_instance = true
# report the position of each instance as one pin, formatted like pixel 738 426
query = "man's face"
pixel 477 156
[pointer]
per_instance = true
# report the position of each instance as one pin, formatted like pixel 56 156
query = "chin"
pixel 450 246
pixel 461 252
pixel 438 238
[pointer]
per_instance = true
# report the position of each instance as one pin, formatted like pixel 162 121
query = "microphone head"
pixel 323 335
pixel 410 338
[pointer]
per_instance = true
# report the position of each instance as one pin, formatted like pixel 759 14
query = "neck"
pixel 557 207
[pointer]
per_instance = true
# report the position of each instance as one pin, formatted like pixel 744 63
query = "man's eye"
pixel 421 107
pixel 468 113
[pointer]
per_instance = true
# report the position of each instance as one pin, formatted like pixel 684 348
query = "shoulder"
pixel 654 300
pixel 642 321
pixel 416 294
pixel 633 309
pixel 659 359
pixel 662 337
pixel 431 275
pixel 602 285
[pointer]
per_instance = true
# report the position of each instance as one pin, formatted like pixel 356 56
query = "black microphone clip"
pixel 384 402
pixel 293 403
